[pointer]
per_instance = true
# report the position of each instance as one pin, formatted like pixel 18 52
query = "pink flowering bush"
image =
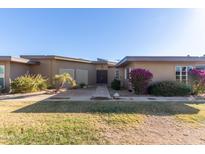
pixel 197 80
pixel 140 79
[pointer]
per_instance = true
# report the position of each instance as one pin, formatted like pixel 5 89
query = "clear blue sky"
pixel 104 33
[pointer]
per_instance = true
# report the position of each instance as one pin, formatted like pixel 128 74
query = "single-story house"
pixel 174 68
pixel 97 72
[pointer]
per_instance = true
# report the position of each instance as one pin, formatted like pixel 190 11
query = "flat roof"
pixel 66 59
pixel 17 60
pixel 127 59
pixel 55 57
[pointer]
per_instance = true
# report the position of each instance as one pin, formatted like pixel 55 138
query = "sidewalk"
pixel 22 96
pixel 158 99
pixel 101 93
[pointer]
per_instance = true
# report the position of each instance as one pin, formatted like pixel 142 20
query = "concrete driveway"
pixel 72 94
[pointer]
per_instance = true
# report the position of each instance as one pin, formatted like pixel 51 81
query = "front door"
pixel 102 76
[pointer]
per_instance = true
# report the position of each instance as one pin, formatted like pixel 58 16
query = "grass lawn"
pixel 84 122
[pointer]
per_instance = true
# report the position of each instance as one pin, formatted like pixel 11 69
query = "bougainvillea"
pixel 140 79
pixel 197 80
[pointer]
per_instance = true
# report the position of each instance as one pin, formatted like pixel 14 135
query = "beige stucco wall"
pixel 160 70
pixel 18 69
pixel 59 64
pixel 101 67
pixel 44 68
pixel 50 67
pixel 121 75
pixel 13 70
pixel 111 75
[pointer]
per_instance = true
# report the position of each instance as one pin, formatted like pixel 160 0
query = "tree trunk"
pixel 58 88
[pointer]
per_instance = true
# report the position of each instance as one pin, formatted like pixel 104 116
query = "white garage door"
pixel 82 76
pixel 70 71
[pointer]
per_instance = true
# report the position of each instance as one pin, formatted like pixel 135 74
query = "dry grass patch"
pixel 198 117
pixel 31 128
pixel 122 121
pixel 60 123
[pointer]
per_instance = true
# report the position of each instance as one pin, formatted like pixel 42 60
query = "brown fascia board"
pixel 23 60
pixel 127 59
pixel 73 59
pixel 56 57
pixel 101 62
pixel 17 60
pixel 5 58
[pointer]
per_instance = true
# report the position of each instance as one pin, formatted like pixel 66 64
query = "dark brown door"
pixel 102 76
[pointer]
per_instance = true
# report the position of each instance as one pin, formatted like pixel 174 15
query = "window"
pixel 117 74
pixel 200 67
pixel 70 71
pixel 82 76
pixel 2 76
pixel 127 73
pixel 178 73
pixel 190 68
pixel 182 73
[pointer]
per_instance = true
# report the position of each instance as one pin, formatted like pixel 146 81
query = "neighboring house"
pixel 173 68
pixel 100 71
pixel 11 67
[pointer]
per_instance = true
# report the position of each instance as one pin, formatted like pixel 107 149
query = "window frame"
pixel 181 73
pixel 117 72
pixel 68 70
pixel 3 76
pixel 203 65
pixel 127 69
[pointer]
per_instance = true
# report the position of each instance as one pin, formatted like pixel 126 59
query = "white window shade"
pixel 70 71
pixel 82 76
pixel 2 69
pixel 2 76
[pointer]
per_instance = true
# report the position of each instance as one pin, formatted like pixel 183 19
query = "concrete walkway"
pixel 101 93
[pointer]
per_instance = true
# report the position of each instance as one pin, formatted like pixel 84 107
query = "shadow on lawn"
pixel 149 108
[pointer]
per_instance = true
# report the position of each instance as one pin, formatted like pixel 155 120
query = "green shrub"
pixel 115 84
pixel 50 86
pixel 169 88
pixel 28 83
pixel 82 85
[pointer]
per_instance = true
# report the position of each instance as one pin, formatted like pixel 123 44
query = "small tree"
pixel 140 79
pixel 61 79
pixel 197 81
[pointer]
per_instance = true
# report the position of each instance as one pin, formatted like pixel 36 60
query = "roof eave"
pixel 17 60
pixel 72 59
pixel 159 59
pixel 56 58
pixel 121 62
